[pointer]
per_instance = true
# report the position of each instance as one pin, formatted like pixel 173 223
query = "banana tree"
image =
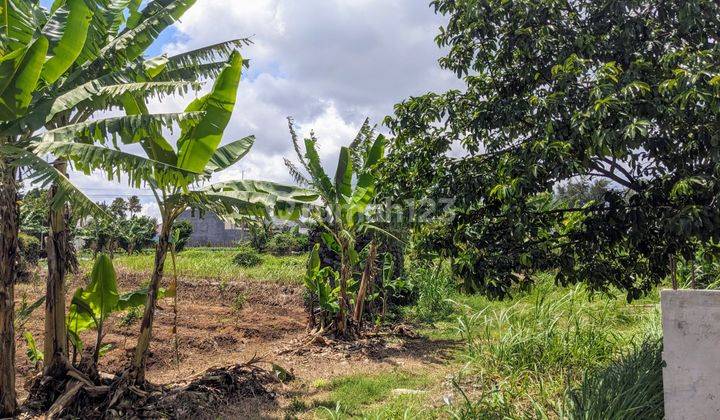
pixel 345 205
pixel 171 172
pixel 91 306
pixel 116 54
pixel 36 47
pixel 59 66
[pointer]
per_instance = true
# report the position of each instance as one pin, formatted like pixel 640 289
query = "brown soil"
pixel 223 324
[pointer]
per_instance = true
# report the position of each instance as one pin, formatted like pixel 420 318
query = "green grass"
pixel 371 396
pixel 550 352
pixel 522 357
pixel 217 263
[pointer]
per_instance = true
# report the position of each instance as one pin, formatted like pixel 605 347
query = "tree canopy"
pixel 626 91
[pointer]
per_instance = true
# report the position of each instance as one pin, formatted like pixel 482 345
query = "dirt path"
pixel 222 324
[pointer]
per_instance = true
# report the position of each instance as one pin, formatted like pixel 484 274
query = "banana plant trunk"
pixel 55 344
pixel 345 274
pixel 143 346
pixel 368 274
pixel 9 225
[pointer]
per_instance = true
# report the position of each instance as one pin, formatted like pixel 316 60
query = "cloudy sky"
pixel 327 63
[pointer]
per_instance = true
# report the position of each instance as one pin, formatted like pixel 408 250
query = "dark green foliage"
pixel 260 230
pixel 624 91
pixel 287 243
pixel 133 205
pixel 29 248
pixel 184 229
pixel 119 208
pixel 101 234
pixel 630 387
pixel 702 270
pixel 34 211
pixel 107 235
pixel 137 232
pixel 247 256
pixel 30 253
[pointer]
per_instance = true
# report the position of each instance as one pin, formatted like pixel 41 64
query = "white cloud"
pixel 327 63
pixel 151 210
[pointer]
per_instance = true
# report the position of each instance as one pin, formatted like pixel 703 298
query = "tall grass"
pixel 522 356
pixel 630 387
pixel 433 285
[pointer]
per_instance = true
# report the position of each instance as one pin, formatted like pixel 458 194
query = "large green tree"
pixel 627 91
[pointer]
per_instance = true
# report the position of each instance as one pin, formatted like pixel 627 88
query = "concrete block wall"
pixel 691 351
pixel 210 230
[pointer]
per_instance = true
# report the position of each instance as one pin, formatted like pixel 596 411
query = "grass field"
pixel 216 263
pixel 547 353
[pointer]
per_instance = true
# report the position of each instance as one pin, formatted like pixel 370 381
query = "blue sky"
pixel 327 63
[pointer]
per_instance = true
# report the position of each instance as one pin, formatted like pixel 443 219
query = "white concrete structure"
pixel 691 350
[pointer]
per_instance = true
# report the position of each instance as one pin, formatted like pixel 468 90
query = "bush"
pixel 433 286
pixel 247 257
pixel 287 243
pixel 29 248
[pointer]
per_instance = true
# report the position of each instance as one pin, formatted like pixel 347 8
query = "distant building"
pixel 210 230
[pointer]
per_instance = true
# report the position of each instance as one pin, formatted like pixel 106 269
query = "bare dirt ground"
pixel 223 324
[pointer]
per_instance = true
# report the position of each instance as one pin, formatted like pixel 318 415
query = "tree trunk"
pixel 368 274
pixel 141 351
pixel 55 344
pixel 9 225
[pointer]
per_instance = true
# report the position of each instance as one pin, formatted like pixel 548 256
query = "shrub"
pixel 433 286
pixel 247 257
pixel 29 248
pixel 239 302
pixel 287 243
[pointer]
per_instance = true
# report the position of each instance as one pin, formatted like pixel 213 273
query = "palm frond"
pixel 219 52
pixel 106 22
pixel 296 144
pixel 132 42
pixel 128 128
pixel 118 165
pixel 223 205
pixel 101 96
pixel 318 178
pixel 201 72
pixel 359 146
pixel 24 18
pixel 295 173
pixel 230 154
pixel 134 39
pixel 287 193
pixel 41 173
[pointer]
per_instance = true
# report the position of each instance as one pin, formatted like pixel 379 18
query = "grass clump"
pixel 247 256
pixel 629 387
pixel 239 301
pixel 433 286
pixel 133 314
